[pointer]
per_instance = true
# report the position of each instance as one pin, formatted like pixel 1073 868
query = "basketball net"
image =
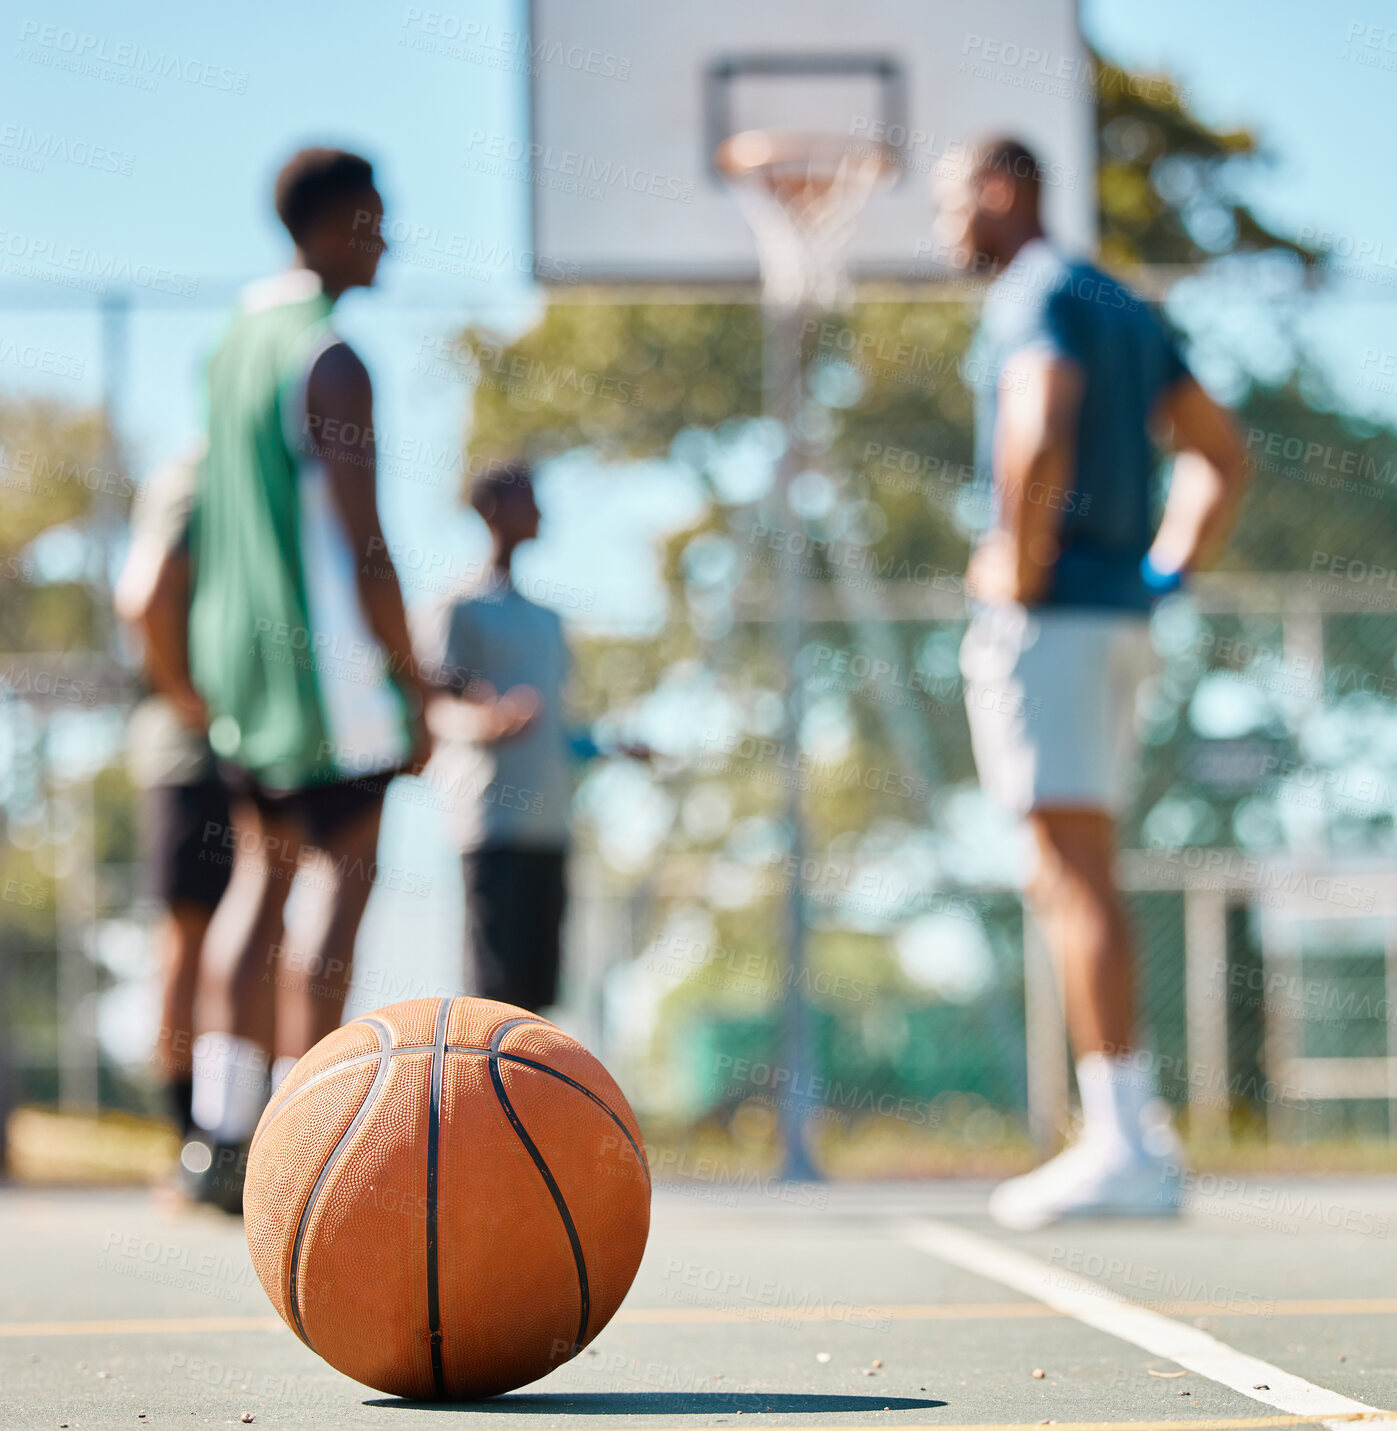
pixel 802 194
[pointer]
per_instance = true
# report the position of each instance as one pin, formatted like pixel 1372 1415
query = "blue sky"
pixel 186 193
pixel 200 157
pixel 1318 84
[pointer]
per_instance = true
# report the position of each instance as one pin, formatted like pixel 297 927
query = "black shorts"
pixel 317 811
pixel 515 898
pixel 188 852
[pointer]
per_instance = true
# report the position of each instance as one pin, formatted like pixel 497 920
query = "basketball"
pixel 447 1198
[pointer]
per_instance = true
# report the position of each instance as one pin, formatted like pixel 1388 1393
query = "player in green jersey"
pixel 298 645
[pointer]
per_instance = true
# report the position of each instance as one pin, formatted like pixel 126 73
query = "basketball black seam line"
pixel 581 1088
pixel 360 1059
pixel 439 1048
pixel 584 1293
pixel 554 1073
pixel 433 1157
pixel 356 1062
pixel 370 1097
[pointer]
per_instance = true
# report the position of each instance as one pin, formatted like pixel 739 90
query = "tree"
pixel 62 493
pixel 637 380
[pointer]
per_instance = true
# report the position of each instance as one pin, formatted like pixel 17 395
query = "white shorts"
pixel 1051 700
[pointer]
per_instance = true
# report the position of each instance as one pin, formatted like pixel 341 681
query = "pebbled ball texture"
pixel 447 1198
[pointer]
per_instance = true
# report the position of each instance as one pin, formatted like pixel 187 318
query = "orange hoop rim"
pixel 810 161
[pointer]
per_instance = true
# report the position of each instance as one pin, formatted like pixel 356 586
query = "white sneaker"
pixel 1089 1179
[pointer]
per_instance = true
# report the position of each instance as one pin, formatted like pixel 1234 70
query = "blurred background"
pixel 1235 182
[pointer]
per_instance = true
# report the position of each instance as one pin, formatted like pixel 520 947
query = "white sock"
pixel 230 1077
pixel 280 1069
pixel 1114 1089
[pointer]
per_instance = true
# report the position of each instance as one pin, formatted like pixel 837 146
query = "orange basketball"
pixel 447 1198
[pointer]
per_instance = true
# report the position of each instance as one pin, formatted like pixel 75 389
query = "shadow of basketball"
pixel 667 1403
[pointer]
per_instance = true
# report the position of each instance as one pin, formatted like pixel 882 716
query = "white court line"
pixel 1161 1336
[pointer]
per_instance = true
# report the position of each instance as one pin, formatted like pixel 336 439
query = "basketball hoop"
pixel 803 193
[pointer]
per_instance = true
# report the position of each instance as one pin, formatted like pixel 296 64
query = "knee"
pixel 262 879
pixel 188 925
pixel 248 884
pixel 1045 883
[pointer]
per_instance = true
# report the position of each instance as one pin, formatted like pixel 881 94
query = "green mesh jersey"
pixel 297 686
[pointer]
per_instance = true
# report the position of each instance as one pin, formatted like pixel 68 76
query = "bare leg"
pixel 315 975
pixel 236 1006
pixel 180 938
pixel 1107 1170
pixel 1074 895
pixel 235 988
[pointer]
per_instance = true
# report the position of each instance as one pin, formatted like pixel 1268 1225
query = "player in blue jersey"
pixel 1080 388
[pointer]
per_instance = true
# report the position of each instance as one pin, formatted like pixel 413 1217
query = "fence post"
pixel 77 980
pixel 7 1087
pixel 1205 1010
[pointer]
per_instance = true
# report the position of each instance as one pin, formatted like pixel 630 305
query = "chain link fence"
pixel 1258 848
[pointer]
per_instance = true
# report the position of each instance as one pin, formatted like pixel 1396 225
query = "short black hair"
pixel 312 180
pixel 1003 155
pixel 499 478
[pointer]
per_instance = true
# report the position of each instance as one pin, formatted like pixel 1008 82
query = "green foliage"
pixel 632 380
pixel 1165 190
pixel 54 472
pixel 58 479
pixel 1324 481
pixel 52 466
pixel 622 378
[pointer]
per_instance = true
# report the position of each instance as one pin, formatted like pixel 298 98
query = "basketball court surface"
pixel 1272 1304
pixel 792 1304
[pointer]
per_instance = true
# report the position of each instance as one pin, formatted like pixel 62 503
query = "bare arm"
pixel 1034 454
pixel 480 716
pixel 462 705
pixel 1209 481
pixel 339 413
pixel 153 596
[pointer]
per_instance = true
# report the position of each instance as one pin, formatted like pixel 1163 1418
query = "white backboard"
pixel 629 98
